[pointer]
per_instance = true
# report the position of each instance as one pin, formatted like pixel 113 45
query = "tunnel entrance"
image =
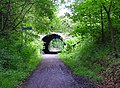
pixel 53 44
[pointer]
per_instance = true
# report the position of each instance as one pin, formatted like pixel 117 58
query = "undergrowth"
pixel 88 58
pixel 17 61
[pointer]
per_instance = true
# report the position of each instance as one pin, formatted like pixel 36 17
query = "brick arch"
pixel 47 39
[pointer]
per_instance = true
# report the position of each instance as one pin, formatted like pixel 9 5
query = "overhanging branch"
pixel 22 17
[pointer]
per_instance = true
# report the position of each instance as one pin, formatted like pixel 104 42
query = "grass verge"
pixel 11 78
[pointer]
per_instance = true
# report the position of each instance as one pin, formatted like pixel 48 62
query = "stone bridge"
pixel 49 37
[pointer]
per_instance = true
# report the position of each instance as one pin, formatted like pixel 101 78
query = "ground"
pixel 52 73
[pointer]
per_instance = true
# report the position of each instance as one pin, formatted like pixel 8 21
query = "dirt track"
pixel 52 73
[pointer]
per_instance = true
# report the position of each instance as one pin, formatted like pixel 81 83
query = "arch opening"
pixel 53 44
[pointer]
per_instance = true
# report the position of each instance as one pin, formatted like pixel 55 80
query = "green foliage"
pixel 88 58
pixel 86 15
pixel 81 60
pixel 56 44
pixel 35 13
pixel 91 56
pixel 84 53
pixel 17 61
pixel 19 54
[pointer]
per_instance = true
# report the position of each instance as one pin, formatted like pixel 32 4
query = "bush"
pixel 88 58
pixel 17 61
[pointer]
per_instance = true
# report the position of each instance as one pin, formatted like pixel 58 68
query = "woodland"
pixel 93 50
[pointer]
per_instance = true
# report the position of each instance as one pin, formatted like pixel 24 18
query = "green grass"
pixel 11 78
pixel 78 69
pixel 89 68
pixel 89 58
pixel 16 61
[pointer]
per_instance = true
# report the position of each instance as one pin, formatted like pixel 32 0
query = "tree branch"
pixel 104 7
pixel 76 44
pixel 23 7
pixel 109 8
pixel 22 17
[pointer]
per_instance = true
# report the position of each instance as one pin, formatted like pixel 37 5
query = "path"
pixel 52 73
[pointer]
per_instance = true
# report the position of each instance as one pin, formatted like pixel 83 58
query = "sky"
pixel 62 9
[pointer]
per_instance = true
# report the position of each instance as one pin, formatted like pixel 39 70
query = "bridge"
pixel 49 37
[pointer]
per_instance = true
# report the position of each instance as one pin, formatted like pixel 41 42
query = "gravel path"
pixel 52 73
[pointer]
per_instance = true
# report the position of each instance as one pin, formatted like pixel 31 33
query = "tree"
pixel 102 25
pixel 14 13
pixel 110 25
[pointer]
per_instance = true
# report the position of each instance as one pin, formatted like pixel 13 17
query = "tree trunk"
pixel 112 34
pixel 102 25
pixel 110 27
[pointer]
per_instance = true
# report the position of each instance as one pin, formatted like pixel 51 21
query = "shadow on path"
pixel 52 73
